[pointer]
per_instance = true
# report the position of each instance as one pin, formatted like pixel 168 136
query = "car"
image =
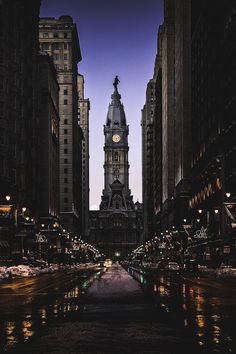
pixel 107 263
pixel 172 266
pixel 191 266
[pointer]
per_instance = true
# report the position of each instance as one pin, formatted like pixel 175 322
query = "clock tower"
pixel 116 193
pixel 116 228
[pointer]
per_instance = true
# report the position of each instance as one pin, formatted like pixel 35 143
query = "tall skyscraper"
pixel 116 229
pixel 48 184
pixel 59 38
pixel 147 159
pixel 83 119
pixel 19 118
pixel 166 123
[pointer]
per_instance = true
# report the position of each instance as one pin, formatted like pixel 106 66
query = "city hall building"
pixel 116 229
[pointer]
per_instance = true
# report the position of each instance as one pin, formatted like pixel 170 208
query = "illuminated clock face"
pixel 116 138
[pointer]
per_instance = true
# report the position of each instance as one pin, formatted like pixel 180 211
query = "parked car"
pixel 172 266
pixel 191 266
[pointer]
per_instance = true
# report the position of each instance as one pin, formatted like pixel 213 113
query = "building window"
pixel 55 35
pixel 65 56
pixel 55 56
pixel 65 200
pixel 66 190
pixel 65 151
pixel 65 45
pixel 45 46
pixel 65 101
pixel 65 180
pixel 65 160
pixel 65 121
pixel 1 108
pixel 2 136
pixel 65 92
pixel 65 131
pixel 55 46
pixel 65 34
pixel 56 66
pixel 1 83
pixel 65 141
pixel 45 35
pixel 65 170
pixel 65 67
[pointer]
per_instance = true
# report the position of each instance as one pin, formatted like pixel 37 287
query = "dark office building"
pixel 213 128
pixel 48 181
pixel 19 116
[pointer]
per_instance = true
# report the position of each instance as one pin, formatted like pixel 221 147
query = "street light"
pixel 216 211
pixel 228 195
pixel 200 211
pixel 8 197
pixel 23 209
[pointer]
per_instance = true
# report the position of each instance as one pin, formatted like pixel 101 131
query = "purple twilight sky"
pixel 117 37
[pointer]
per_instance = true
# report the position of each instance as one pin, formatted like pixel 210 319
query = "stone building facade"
pixel 48 205
pixel 170 114
pixel 83 119
pixel 59 38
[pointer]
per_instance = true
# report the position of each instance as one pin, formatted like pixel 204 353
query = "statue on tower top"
pixel 116 82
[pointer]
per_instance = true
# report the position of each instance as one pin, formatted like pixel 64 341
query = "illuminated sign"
pixel 201 233
pixel 41 238
pixel 5 211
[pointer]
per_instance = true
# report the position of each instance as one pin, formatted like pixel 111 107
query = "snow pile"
pixel 229 273
pixel 4 273
pixel 23 271
pixel 30 271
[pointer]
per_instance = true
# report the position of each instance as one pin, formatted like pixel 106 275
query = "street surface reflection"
pixel 206 308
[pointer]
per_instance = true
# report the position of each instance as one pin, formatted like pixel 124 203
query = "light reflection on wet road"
pixel 206 308
pixel 27 305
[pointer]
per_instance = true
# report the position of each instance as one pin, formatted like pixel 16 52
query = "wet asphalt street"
pixel 161 313
pixel 27 305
